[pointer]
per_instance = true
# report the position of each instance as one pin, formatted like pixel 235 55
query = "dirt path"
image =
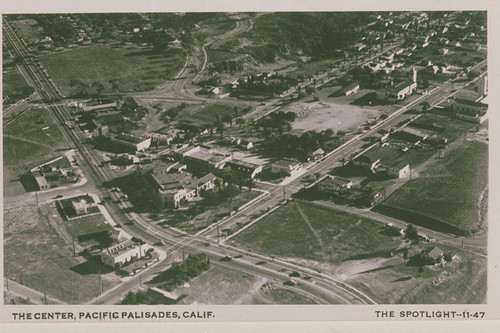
pixel 310 226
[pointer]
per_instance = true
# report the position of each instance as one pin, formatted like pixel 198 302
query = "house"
pixel 437 255
pixel 122 253
pixel 404 89
pixel 410 134
pixel 317 154
pixel 366 161
pixel 205 183
pixel 42 183
pixel 159 137
pixel 81 206
pixel 334 184
pixel 131 141
pixel 243 168
pixel 286 165
pixel 46 43
pixel 351 89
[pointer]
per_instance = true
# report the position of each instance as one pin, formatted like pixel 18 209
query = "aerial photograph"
pixel 224 158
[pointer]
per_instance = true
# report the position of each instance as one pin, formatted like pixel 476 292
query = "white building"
pixel 120 254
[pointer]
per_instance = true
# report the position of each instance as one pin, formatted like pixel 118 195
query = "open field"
pixel 223 285
pixel 219 55
pixel 133 68
pixel 453 128
pixel 36 256
pixel 208 113
pixel 26 145
pixel 449 189
pixel 15 87
pixel 355 251
pixel 330 236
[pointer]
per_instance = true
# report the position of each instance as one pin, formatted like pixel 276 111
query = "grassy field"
pixel 286 233
pixel 35 255
pixel 354 250
pixel 450 188
pixel 218 55
pixel 207 114
pixel 454 128
pixel 15 87
pixel 135 69
pixel 30 30
pixel 26 144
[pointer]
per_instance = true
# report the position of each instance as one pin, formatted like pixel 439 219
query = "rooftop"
pixel 120 248
pixel 286 162
pixel 129 138
pixel 174 181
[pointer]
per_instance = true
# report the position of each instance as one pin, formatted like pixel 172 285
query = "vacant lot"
pixel 450 189
pixel 134 69
pixel 35 255
pixel 224 285
pixel 330 113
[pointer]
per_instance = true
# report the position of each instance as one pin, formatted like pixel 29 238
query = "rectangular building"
pixel 124 252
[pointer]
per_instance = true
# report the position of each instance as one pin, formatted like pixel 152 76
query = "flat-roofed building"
pixel 124 252
pixel 135 142
pixel 246 169
pixel 469 110
pixel 42 183
pixel 203 159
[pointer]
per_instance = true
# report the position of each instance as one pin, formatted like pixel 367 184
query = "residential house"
pixel 317 154
pixel 333 185
pixel 286 165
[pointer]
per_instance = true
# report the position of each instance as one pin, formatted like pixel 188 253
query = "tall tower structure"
pixel 414 75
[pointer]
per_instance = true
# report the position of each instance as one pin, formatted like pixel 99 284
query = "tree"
pixel 240 121
pixel 425 106
pixel 411 233
pixel 98 86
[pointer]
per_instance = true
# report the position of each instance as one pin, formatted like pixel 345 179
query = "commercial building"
pixel 124 252
pixel 174 187
pixel 199 158
pixel 132 141
pixel 246 169
pixel 471 111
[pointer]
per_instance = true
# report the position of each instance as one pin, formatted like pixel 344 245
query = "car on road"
pixel 58 196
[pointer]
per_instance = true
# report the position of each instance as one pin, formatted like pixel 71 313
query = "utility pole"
pixel 100 284
pixel 74 252
pixel 284 193
pixel 36 196
pixel 183 254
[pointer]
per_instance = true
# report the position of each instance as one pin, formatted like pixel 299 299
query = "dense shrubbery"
pixel 193 266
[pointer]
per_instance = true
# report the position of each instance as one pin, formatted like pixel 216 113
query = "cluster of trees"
pixel 81 89
pixel 316 34
pixel 264 86
pixel 194 265
pixel 277 121
pixel 299 146
pixel 172 113
pixel 144 297
pixel 227 66
pixel 132 110
pixel 141 192
pixel 58 27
